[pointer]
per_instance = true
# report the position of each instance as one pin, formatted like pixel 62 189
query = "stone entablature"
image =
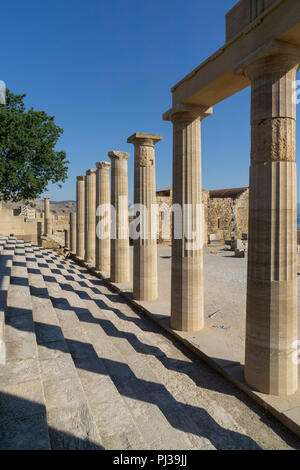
pixel 244 13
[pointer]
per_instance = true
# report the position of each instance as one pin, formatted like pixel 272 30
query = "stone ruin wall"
pixel 223 217
pixel 29 229
pixel 164 203
pixel 241 215
pixel 228 217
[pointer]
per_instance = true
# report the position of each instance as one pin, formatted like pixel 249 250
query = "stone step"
pixel 141 367
pixel 23 423
pixel 114 419
pixel 107 378
pixel 69 417
pixel 132 373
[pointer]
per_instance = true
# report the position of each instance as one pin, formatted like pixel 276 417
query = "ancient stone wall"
pixel 241 214
pixel 219 217
pixel 19 226
pixel 26 228
pixel 225 217
pixel 164 202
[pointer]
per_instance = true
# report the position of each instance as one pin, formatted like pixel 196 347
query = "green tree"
pixel 28 159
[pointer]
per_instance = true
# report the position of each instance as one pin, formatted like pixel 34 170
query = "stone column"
pixel 187 255
pixel 67 238
pixel 80 217
pixel 119 259
pixel 73 232
pixel 90 217
pixel 271 325
pixel 47 217
pixel 145 247
pixel 103 201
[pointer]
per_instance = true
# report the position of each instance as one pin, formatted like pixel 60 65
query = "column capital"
pixel 276 63
pixel 103 165
pixel 141 138
pixel 47 198
pixel 274 56
pixel 116 155
pixel 187 112
pixel 80 178
pixel 90 172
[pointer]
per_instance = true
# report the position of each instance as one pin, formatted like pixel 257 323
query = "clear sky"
pixel 104 69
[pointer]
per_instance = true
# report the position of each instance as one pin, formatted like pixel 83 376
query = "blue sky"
pixel 104 69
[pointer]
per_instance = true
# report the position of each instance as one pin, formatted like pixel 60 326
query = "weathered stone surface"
pixel 271 329
pixel 145 247
pixel 67 239
pixel 48 217
pixel 187 264
pixel 274 140
pixel 164 396
pixel 90 217
pixel 80 216
pixel 26 433
pixel 103 199
pixel 73 232
pixel 119 260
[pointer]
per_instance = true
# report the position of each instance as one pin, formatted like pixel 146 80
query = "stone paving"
pixel 85 371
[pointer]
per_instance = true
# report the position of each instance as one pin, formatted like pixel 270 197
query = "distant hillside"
pixel 63 202
pixel 57 207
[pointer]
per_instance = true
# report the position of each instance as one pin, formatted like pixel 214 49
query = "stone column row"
pixel 271 322
pixel 106 246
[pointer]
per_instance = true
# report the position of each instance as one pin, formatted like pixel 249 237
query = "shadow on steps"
pixel 23 426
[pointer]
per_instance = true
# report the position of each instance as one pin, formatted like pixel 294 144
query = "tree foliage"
pixel 28 159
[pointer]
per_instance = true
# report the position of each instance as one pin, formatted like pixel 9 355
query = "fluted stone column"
pixel 48 217
pixel 103 201
pixel 187 256
pixel 271 326
pixel 80 217
pixel 119 259
pixel 145 247
pixel 73 232
pixel 90 217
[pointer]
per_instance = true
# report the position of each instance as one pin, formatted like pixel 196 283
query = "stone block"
pixel 240 253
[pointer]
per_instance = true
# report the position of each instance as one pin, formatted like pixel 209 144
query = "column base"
pixel 187 309
pixel 271 334
pixel 145 272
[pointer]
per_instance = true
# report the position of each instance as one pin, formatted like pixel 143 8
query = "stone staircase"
pixel 84 371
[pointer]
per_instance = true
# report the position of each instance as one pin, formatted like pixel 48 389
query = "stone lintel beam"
pixel 215 80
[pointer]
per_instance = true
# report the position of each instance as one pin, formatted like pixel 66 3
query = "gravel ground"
pixel 225 282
